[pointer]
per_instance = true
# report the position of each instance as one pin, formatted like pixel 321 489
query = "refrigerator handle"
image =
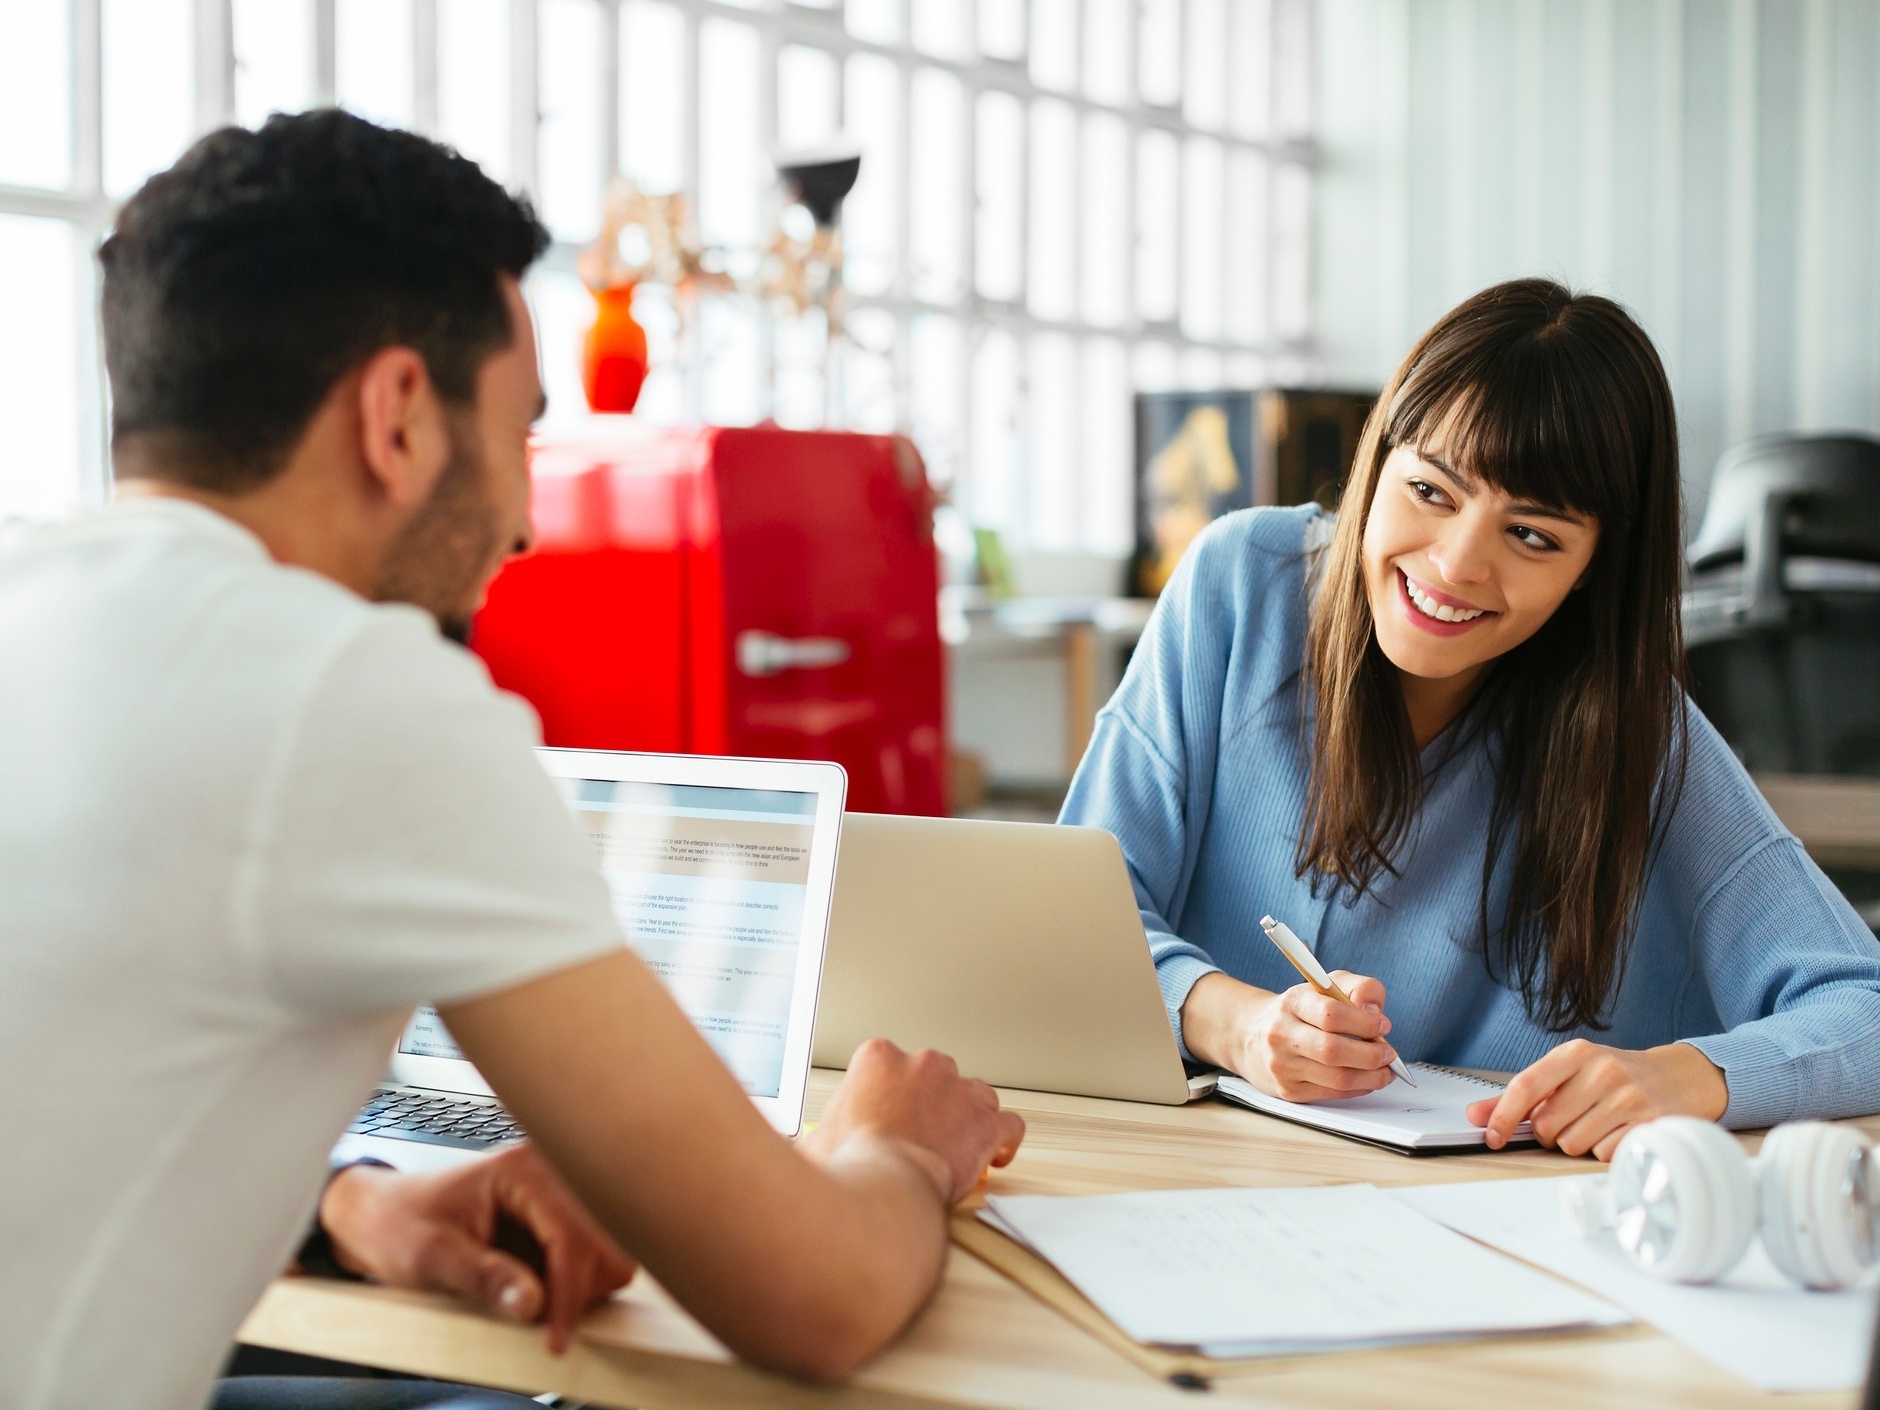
pixel 767 654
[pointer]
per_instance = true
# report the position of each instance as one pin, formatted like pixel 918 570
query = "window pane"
pixel 39 474
pixel 801 344
pixel 809 97
pixel 1106 220
pixel 1204 97
pixel 1202 178
pixel 943 28
pixel 869 372
pixel 1201 369
pixel 937 368
pixel 998 251
pixel 1053 411
pixel 1160 77
pixel 473 81
pixel 1109 49
pixel 732 172
pixel 1052 265
pixel 149 109
pixel 1108 452
pixel 935 229
pixel 1247 246
pixel 997 472
pixel 878 21
pixel 375 61
pixel 1054 44
pixel 663 397
pixel 375 70
pixel 273 59
pixel 1157 191
pixel 1292 68
pixel 36 93
pixel 563 309
pixel 1154 367
pixel 1249 88
pixel 1002 29
pixel 571 164
pixel 652 95
pixel 1292 228
pixel 871 219
pixel 733 371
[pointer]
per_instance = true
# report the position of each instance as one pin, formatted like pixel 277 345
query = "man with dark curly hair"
pixel 255 807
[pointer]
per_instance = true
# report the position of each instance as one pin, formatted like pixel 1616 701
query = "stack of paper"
pixel 1239 1273
pixel 1752 1322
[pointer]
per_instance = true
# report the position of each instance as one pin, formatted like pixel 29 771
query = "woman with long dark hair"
pixel 1444 736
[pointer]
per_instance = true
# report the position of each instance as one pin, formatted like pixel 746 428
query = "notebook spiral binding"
pixel 1458 1073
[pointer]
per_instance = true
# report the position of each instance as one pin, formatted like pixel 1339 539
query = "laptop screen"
pixel 710 887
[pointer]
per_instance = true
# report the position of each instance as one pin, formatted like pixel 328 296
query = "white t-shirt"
pixel 247 822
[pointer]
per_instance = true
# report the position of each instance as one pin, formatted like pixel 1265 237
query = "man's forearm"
pixel 882 1262
pixel 807 1265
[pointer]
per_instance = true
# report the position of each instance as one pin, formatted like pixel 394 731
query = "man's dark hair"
pixel 246 280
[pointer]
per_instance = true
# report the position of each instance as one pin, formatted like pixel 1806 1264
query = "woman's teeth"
pixel 1430 607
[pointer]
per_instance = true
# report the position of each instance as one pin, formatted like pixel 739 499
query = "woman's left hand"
pixel 1584 1097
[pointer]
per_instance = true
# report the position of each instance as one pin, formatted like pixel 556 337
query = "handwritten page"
pixel 1237 1272
pixel 1753 1322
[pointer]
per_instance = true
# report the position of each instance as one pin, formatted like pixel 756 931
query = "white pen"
pixel 1307 963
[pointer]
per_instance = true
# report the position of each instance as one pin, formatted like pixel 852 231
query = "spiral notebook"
pixel 1430 1118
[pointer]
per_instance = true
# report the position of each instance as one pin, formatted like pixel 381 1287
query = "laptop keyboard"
pixel 412 1115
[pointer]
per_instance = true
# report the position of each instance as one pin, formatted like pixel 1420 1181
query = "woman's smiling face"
pixel 1459 572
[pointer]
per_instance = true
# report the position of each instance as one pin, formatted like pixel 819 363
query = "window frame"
pixel 87 209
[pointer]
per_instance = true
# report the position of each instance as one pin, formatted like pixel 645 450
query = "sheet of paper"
pixel 1754 1323
pixel 1248 1272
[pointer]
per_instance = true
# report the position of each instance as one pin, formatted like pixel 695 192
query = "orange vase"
pixel 613 355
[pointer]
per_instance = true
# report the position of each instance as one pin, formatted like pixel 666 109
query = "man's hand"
pixel 1298 1045
pixel 952 1126
pixel 805 1265
pixel 1584 1097
pixel 446 1232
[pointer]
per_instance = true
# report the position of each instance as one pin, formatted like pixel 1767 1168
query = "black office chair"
pixel 1782 612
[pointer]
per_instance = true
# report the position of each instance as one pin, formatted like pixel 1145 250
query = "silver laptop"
pixel 721 872
pixel 1015 947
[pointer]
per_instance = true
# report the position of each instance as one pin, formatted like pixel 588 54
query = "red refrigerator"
pixel 756 592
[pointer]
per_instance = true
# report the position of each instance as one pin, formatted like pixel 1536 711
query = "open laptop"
pixel 721 872
pixel 1015 947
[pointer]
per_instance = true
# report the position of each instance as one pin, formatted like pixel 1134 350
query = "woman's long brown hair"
pixel 1558 399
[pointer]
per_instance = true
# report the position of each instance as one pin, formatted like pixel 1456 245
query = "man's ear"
pixel 403 439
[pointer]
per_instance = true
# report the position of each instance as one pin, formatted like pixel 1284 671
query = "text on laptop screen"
pixel 709 885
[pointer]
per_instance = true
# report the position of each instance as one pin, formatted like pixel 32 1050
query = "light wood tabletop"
pixel 985 1342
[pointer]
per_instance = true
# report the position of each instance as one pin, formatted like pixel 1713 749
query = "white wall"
pixel 1712 164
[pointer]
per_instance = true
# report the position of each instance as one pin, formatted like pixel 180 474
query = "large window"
pixel 1061 201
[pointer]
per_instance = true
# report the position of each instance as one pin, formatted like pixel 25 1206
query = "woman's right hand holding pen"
pixel 1298 1044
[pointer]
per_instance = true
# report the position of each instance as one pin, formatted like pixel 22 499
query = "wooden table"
pixel 984 1342
pixel 1836 818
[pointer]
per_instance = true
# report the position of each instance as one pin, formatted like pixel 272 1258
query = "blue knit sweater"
pixel 1199 766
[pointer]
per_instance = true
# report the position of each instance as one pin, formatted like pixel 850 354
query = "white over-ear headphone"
pixel 1683 1201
